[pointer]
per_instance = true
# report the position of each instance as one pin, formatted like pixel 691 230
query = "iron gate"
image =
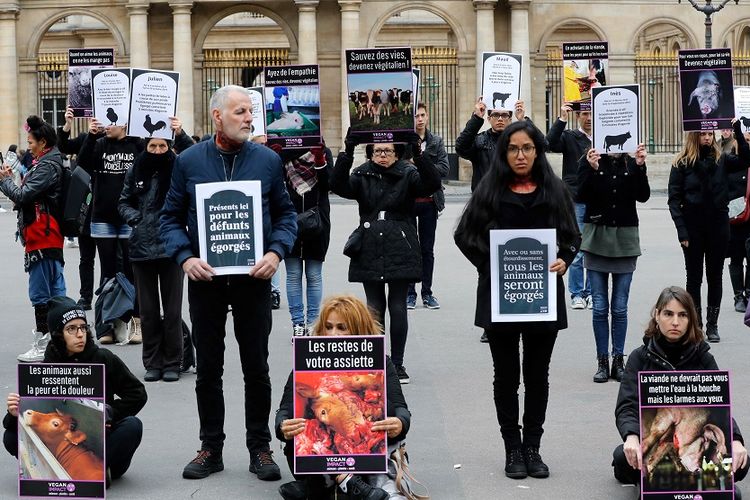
pixel 438 90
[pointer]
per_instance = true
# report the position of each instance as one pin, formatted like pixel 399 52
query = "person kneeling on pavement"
pixel 71 342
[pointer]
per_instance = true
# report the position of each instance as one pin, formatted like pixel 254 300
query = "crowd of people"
pixel 143 224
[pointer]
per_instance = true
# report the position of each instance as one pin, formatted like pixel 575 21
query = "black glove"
pixel 350 142
pixel 415 143
pixel 737 126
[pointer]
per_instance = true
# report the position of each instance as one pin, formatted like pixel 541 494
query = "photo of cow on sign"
pixel 706 89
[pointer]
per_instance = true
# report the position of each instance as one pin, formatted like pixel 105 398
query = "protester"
pixel 384 249
pixel 673 340
pixel 342 315
pixel 573 145
pixel 739 270
pixel 229 156
pixel 427 210
pixel 125 396
pixel 37 201
pixel 520 192
pixel 156 275
pixel 698 198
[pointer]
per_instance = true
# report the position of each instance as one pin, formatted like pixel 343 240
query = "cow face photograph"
pixel 381 101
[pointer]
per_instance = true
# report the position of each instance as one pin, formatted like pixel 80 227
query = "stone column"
pixel 9 125
pixel 183 61
pixel 519 44
pixel 349 40
pixel 139 57
pixel 485 11
pixel 308 31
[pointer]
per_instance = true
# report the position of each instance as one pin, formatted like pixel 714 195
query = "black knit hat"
pixel 61 311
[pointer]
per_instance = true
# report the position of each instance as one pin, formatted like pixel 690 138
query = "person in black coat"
pixel 673 341
pixel 384 249
pixel 341 315
pixel 520 192
pixel 698 198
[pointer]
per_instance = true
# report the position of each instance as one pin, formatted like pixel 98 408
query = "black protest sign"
pixel 80 64
pixel 616 118
pixel 585 67
pixel 706 89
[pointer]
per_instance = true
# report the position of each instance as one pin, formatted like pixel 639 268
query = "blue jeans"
pixel 603 308
pixel 276 280
pixel 576 284
pixel 46 280
pixel 313 270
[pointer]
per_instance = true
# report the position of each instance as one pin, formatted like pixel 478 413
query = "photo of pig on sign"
pixel 501 80
pixel 61 430
pixel 616 119
pixel 686 435
pixel 706 89
pixel 522 286
pixel 742 106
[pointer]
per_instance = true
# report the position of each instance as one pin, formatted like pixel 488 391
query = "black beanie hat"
pixel 61 311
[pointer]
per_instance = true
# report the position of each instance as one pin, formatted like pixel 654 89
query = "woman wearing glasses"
pixel 384 249
pixel 519 192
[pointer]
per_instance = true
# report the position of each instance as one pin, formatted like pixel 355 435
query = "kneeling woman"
pixel 673 341
pixel 341 315
pixel 72 342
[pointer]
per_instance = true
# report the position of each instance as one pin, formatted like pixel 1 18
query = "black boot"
pixel 535 466
pixel 736 276
pixel 515 464
pixel 40 315
pixel 712 324
pixel 602 373
pixel 618 367
pixel 740 302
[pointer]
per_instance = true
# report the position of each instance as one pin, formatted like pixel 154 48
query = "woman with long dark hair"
pixel 520 192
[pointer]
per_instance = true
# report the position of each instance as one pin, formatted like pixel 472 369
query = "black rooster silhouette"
pixel 112 116
pixel 153 127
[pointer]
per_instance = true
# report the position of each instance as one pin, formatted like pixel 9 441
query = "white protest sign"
pixel 616 118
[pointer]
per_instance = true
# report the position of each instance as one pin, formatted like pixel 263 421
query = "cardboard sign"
pixel 686 435
pixel 381 94
pixel 585 67
pixel 331 372
pixel 501 80
pixel 292 105
pixel 522 286
pixel 153 99
pixel 706 89
pixel 259 111
pixel 616 119
pixel 742 106
pixel 230 225
pixel 61 433
pixel 110 92
pixel 80 64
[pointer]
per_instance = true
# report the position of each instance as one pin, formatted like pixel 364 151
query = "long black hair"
pixel 481 212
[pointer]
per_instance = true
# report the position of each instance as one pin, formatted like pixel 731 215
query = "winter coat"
pixel 651 357
pixel 573 145
pixel 514 215
pixel 389 244
pixel 611 191
pixel 70 146
pixel 435 151
pixel 478 148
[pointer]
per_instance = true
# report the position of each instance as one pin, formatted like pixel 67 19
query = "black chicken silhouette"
pixel 153 127
pixel 112 116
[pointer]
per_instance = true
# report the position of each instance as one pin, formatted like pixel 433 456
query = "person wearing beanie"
pixel 72 342
pixel 37 202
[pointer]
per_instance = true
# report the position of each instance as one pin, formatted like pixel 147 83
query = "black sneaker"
pixel 534 464
pixel 403 377
pixel 275 300
pixel 515 465
pixel 207 462
pixel 84 304
pixel 293 490
pixel 358 489
pixel 430 302
pixel 411 301
pixel 262 464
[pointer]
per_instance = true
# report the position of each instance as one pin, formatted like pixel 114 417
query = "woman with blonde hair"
pixel 698 198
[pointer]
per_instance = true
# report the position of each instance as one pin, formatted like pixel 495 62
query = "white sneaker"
pixel 36 353
pixel 71 243
pixel 578 303
pixel 135 335
pixel 590 302
pixel 121 332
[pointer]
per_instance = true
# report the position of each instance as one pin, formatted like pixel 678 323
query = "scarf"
pixel 224 143
pixel 300 173
pixel 149 165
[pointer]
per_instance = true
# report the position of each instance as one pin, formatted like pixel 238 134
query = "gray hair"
pixel 219 99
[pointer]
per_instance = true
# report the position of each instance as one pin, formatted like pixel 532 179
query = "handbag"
pixel 398 481
pixel 309 223
pixel 739 208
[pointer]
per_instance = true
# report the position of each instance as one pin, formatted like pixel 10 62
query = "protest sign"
pixel 686 435
pixel 230 225
pixel 415 87
pixel 292 105
pixel 706 89
pixel 153 99
pixel 339 387
pixel 381 94
pixel 501 80
pixel 585 66
pixel 616 118
pixel 61 438
pixel 110 95
pixel 80 64
pixel 522 286
pixel 259 111
pixel 742 106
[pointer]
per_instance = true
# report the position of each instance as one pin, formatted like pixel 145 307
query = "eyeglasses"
pixel 497 116
pixel 380 152
pixel 74 329
pixel 527 149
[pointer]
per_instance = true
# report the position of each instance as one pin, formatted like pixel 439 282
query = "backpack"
pixel 75 201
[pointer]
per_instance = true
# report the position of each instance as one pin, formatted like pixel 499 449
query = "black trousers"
pixel 87 248
pixel 109 261
pixel 162 341
pixel 506 358
pixel 396 303
pixel 427 216
pixel 708 241
pixel 250 302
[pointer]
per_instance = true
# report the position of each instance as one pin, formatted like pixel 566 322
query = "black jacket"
pixel 390 246
pixel 70 146
pixel 651 357
pixel 478 148
pixel 435 151
pixel 610 193
pixel 573 145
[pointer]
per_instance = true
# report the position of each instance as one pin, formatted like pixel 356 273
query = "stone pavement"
pixel 454 441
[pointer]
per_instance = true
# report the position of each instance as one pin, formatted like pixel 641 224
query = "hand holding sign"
pixel 265 268
pixel 480 108
pixel 198 269
pixel 632 450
